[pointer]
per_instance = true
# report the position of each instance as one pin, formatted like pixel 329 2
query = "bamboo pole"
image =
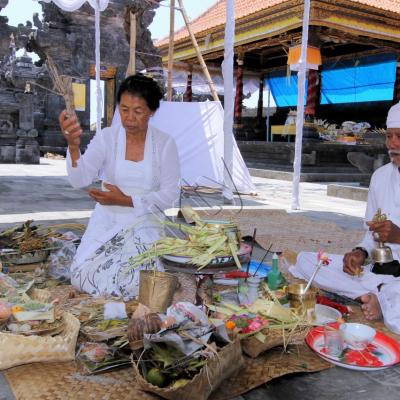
pixel 171 48
pixel 198 52
pixel 131 70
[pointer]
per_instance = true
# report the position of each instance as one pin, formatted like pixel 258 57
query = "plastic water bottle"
pixel 274 276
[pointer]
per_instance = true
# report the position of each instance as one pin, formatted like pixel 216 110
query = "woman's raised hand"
pixel 71 129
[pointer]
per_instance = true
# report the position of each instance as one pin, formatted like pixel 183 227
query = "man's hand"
pixel 70 129
pixel 385 231
pixel 114 197
pixel 353 262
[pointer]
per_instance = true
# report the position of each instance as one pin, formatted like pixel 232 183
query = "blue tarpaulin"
pixel 368 78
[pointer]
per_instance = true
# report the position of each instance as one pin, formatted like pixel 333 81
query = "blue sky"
pixel 19 11
pixel 160 26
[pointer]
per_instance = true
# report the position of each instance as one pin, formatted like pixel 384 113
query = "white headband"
pixel 393 118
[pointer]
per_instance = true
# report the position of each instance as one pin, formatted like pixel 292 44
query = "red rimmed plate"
pixel 382 353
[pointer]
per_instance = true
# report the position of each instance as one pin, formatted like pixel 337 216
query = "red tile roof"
pixel 387 5
pixel 216 14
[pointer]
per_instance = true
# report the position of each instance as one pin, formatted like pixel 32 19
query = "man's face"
pixel 393 145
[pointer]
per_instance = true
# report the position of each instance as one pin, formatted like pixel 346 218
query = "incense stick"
pixel 253 239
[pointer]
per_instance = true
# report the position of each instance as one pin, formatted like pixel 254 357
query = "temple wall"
pixel 69 38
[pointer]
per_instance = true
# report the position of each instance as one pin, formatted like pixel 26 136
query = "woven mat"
pixel 291 231
pixel 59 381
pixel 62 381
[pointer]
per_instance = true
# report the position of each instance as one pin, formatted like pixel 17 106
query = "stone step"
pixel 309 176
pixel 332 168
pixel 348 192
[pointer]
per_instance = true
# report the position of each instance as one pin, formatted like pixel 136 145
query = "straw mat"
pixel 291 231
pixel 62 381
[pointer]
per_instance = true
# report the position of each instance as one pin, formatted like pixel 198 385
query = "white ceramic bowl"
pixel 357 336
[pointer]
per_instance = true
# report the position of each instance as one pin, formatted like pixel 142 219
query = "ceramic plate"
pixel 325 314
pixel 382 353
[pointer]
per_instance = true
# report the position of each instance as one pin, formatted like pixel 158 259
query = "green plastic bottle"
pixel 274 276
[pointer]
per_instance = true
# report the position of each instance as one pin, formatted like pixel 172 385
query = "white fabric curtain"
pixel 227 72
pixel 73 5
pixel 300 109
pixel 198 130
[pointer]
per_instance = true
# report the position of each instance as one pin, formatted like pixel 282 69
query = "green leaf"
pixel 166 355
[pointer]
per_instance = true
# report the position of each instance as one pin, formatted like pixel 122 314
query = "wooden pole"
pixel 198 52
pixel 132 46
pixel 171 49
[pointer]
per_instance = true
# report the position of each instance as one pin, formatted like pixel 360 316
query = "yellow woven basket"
pixel 20 349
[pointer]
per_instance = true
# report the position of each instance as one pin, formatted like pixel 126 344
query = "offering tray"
pixel 13 256
pixel 44 329
pixel 221 265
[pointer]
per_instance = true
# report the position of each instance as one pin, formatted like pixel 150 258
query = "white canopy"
pixel 73 5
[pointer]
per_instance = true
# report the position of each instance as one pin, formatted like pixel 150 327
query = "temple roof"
pixel 215 16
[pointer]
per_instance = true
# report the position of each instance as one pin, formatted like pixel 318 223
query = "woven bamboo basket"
pixel 217 369
pixel 19 349
pixel 42 295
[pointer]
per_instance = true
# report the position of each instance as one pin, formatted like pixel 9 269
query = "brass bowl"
pixel 302 303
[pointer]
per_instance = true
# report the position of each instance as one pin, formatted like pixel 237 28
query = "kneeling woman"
pixel 139 169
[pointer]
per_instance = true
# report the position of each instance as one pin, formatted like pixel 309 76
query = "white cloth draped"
pixel 301 76
pixel 198 131
pixel 227 72
pixel 73 5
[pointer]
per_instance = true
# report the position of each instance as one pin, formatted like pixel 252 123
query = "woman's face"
pixel 135 113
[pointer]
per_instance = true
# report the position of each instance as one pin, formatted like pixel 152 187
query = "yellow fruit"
pixel 179 383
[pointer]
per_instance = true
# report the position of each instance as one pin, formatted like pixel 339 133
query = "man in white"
pixel 378 287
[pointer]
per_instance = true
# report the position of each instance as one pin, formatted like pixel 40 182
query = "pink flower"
pixel 323 258
pixel 254 325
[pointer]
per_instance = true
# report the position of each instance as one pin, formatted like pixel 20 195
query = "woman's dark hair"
pixel 142 86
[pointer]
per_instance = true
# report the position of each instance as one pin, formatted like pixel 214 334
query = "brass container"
pixel 302 303
pixel 156 289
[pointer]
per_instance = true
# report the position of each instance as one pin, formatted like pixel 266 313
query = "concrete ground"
pixel 42 193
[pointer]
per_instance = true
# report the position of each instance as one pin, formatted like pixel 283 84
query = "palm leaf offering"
pixel 203 242
pixel 62 85
pixel 30 237
pixel 163 366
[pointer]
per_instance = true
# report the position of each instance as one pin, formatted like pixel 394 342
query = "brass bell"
pixel 381 254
